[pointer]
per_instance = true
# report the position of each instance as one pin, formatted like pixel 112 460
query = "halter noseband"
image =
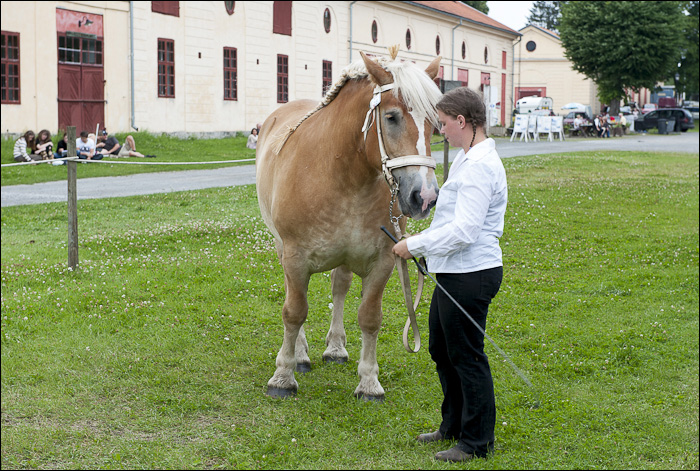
pixel 388 165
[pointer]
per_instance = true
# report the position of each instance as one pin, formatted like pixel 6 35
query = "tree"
pixel 688 64
pixel 622 45
pixel 546 15
pixel 481 6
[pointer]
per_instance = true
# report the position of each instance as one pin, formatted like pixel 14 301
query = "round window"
pixel 530 46
pixel 374 31
pixel 437 45
pixel 327 20
pixel 486 55
pixel 408 39
pixel 464 50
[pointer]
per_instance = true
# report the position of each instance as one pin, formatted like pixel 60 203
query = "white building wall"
pixel 201 32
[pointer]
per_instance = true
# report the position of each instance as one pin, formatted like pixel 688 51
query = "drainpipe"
pixel 512 74
pixel 350 57
pixel 453 48
pixel 131 40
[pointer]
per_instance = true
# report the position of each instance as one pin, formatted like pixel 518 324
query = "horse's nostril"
pixel 416 198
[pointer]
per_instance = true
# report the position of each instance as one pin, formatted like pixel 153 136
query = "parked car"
pixel 569 118
pixel 649 107
pixel 684 120
pixel 692 106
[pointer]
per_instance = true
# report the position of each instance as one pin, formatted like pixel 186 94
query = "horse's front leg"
pixel 294 312
pixel 341 278
pixel 370 320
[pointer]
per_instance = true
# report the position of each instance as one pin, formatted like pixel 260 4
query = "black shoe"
pixel 453 455
pixel 430 437
pixel 151 156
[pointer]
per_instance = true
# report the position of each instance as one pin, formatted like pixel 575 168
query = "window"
pixel 486 55
pixel 327 20
pixel 230 73
pixel 230 7
pixel 408 39
pixel 75 50
pixel 166 68
pixel 10 68
pixel 282 18
pixel 282 78
pixel 166 8
pixel 327 76
pixel 437 45
pixel 463 76
pixel 530 46
pixel 374 31
pixel 464 50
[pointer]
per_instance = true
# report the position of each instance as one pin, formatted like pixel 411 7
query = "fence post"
pixel 72 167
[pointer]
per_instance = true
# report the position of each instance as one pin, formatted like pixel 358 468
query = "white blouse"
pixel 469 214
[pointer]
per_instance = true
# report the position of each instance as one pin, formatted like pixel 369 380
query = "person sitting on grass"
pixel 85 148
pixel 109 146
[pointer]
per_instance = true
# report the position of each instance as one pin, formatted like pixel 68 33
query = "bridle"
pixel 388 165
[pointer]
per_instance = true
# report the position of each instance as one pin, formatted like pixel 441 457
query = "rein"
pixel 388 165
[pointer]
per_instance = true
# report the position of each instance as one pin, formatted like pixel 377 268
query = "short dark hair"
pixel 83 134
pixel 466 102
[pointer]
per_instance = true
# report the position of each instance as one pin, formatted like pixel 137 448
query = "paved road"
pixel 165 182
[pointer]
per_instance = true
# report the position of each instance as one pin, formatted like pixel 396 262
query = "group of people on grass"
pixel 32 148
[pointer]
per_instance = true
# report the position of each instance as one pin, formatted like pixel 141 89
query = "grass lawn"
pixel 155 353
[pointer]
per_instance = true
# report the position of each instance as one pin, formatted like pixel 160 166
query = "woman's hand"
pixel 401 249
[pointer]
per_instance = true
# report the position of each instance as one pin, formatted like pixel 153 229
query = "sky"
pixel 512 14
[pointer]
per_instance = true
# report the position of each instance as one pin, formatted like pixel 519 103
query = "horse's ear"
pixel 376 71
pixel 434 67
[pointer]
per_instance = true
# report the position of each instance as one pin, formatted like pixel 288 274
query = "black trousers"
pixel 457 348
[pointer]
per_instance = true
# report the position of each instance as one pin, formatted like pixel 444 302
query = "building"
pixel 210 68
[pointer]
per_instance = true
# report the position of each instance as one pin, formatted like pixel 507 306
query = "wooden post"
pixel 72 167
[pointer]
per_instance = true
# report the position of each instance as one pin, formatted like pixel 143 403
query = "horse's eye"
pixel 390 117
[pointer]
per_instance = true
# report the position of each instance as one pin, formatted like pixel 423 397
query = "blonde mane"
pixel 419 92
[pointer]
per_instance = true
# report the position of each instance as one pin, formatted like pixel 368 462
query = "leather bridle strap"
pixel 388 165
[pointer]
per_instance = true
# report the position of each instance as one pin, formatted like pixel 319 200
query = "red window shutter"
pixel 463 76
pixel 166 8
pixel 504 59
pixel 282 18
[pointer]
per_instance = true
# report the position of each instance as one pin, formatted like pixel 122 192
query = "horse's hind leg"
pixel 341 278
pixel 294 312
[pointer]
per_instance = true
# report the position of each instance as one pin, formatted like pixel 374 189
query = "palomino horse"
pixel 323 194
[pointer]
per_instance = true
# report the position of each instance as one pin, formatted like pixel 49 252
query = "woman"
pixel 252 139
pixel 44 145
pixel 24 143
pixel 461 246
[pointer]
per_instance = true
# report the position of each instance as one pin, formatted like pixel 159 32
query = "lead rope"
pixel 402 269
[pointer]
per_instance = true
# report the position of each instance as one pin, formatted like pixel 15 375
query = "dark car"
pixel 684 120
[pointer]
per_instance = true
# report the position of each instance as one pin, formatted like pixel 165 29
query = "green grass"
pixel 167 149
pixel 155 353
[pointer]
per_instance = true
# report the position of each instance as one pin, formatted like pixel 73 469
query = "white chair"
pixel 558 127
pixel 520 127
pixel 532 128
pixel 544 126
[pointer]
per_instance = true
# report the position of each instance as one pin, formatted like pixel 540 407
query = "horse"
pixel 326 183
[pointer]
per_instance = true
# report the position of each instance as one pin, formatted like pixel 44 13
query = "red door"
pixel 80 70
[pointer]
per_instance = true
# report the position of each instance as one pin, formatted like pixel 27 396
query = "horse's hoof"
pixel 336 360
pixel 368 398
pixel 280 393
pixel 303 367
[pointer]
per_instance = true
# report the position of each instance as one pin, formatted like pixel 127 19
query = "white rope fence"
pixel 76 159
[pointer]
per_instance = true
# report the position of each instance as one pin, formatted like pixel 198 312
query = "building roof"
pixel 465 12
pixel 544 30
